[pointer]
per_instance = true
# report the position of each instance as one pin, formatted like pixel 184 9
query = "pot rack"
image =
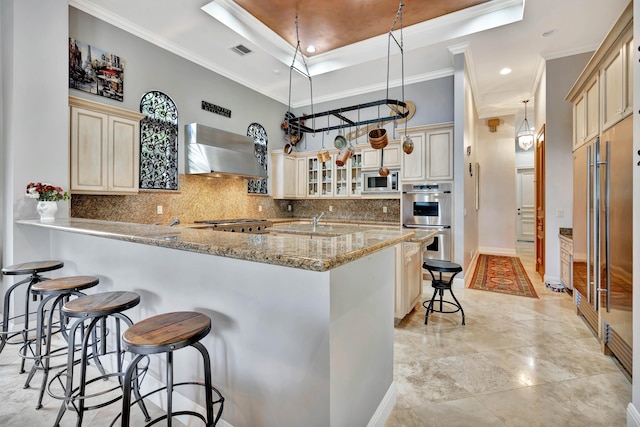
pixel 399 109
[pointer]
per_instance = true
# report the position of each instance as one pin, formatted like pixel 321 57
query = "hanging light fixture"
pixel 525 134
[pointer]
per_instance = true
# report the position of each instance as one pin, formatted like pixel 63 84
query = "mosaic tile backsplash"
pixel 201 197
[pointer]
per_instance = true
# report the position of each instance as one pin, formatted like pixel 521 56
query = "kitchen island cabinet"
pixel 302 327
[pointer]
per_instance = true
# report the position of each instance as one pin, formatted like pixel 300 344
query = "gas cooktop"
pixel 241 225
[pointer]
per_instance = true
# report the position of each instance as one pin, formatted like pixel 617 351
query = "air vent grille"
pixel 241 50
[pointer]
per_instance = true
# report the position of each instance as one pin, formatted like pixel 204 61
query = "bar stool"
pixel 33 269
pixel 166 333
pixel 93 308
pixel 52 294
pixel 439 286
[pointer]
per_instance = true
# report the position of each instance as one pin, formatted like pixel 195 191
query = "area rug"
pixel 502 274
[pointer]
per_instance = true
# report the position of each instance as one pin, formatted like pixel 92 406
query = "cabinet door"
pixel 301 177
pixel 391 156
pixel 592 110
pixel 89 150
pixel 327 177
pixel 628 78
pixel 123 160
pixel 579 123
pixel 612 90
pixel 279 173
pixel 289 177
pixel 439 155
pixel 413 165
pixel 355 180
pixel 313 177
pixel 370 158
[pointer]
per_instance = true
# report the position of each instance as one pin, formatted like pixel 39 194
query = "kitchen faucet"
pixel 316 219
pixel 174 221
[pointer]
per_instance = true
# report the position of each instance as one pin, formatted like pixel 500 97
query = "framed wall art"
pixel 93 70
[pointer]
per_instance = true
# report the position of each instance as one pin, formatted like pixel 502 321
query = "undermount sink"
pixel 318 234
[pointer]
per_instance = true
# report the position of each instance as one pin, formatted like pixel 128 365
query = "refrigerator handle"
pixel 596 223
pixel 588 225
pixel 607 189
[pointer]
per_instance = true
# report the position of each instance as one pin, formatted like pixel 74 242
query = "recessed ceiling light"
pixel 505 71
pixel 311 49
pixel 549 33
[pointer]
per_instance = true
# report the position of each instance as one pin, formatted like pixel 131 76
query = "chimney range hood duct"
pixel 220 153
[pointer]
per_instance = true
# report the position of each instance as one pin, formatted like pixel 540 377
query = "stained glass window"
pixel 158 142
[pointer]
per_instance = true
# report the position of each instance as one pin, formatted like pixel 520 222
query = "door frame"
pixel 539 184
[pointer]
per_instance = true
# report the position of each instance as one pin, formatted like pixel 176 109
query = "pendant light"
pixel 525 135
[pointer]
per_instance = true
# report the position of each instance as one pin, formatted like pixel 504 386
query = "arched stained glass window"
pixel 158 142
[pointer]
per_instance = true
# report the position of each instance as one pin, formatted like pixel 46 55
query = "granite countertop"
pixel 566 232
pixel 328 248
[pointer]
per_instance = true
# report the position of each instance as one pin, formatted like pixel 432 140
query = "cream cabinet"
pixel 391 156
pixel 408 278
pixel 319 177
pixel 105 148
pixel 300 177
pixel 432 156
pixel 616 79
pixel 603 94
pixel 566 261
pixel 283 177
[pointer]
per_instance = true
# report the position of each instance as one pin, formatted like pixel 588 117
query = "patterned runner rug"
pixel 503 274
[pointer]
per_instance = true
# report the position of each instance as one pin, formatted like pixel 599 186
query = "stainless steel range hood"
pixel 217 152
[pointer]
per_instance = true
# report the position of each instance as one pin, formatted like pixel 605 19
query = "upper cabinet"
pixel 432 156
pixel 603 94
pixel 390 157
pixel 104 148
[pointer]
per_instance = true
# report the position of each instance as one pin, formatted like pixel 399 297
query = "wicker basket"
pixel 378 138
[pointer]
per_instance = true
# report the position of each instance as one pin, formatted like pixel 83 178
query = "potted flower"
pixel 47 196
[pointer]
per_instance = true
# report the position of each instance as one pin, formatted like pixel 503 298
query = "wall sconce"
pixel 493 125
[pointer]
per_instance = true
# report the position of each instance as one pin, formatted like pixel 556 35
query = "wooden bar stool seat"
pixel 166 333
pixel 93 309
pixel 33 269
pixel 52 294
pixel 439 286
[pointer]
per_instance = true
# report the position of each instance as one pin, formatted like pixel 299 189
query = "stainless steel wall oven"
pixel 429 206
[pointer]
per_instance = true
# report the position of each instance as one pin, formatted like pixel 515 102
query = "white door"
pixel 525 198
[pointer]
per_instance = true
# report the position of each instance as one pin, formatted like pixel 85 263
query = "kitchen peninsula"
pixel 302 324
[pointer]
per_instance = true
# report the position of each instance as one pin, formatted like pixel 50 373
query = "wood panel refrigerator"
pixel 602 237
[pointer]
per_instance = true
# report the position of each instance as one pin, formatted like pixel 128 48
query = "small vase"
pixel 47 211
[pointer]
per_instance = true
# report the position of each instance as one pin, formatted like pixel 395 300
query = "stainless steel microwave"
pixel 374 183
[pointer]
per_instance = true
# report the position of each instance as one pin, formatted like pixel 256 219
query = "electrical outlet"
pixel 289 208
pixel 384 209
pixel 330 208
pixel 560 213
pixel 259 208
pixel 159 209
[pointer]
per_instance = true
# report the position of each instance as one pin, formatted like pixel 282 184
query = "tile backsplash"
pixel 201 197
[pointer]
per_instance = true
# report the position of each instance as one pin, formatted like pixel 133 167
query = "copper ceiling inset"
pixel 331 24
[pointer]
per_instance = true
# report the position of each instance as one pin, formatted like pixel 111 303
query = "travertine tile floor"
pixel 517 362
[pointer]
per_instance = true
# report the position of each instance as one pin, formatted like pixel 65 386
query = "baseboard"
pixel 498 251
pixel 633 416
pixel 466 281
pixel 383 411
pixel 551 279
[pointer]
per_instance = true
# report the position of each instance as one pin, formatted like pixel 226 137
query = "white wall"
pixel 497 159
pixel 470 140
pixel 557 115
pixel 34 114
